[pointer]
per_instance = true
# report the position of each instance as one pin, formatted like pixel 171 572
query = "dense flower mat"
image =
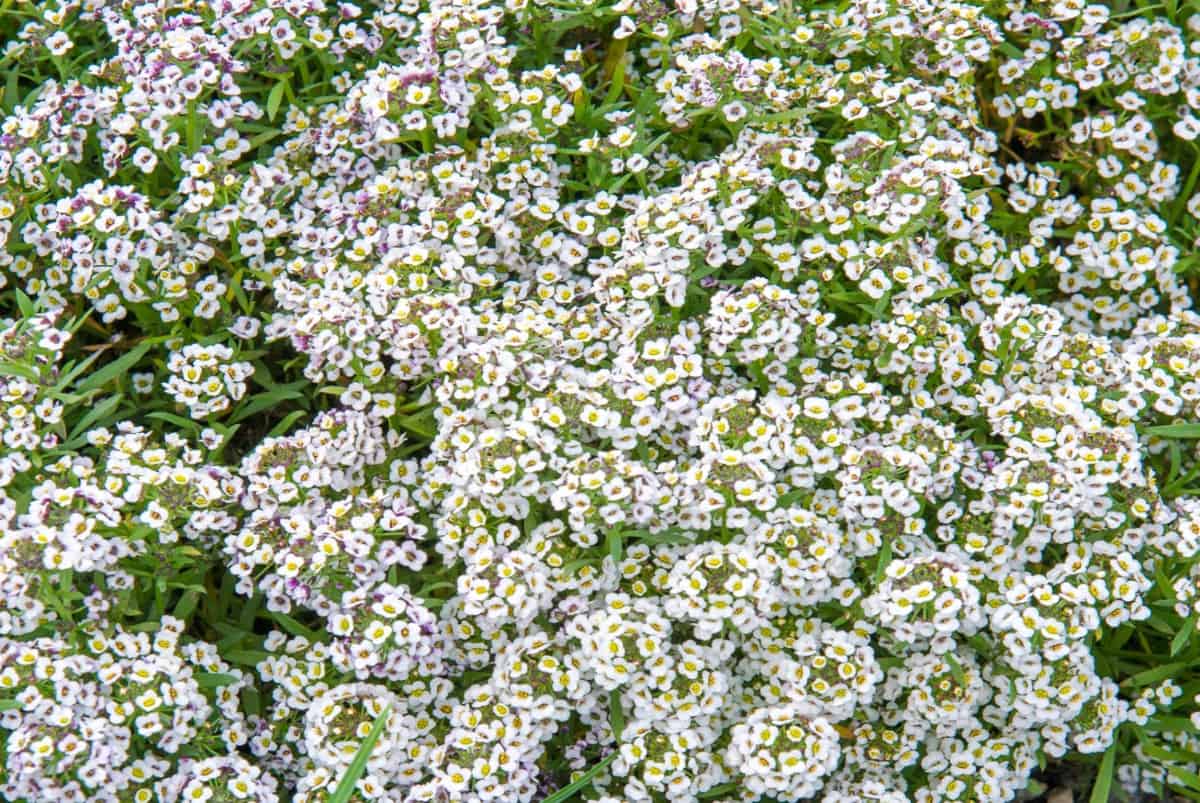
pixel 704 400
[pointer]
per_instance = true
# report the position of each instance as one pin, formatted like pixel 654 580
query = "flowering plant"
pixel 645 400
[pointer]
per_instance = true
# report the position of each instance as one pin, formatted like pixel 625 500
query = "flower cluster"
pixel 205 379
pixel 710 399
pixel 93 722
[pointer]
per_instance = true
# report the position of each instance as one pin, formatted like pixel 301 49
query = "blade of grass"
pixel 1183 636
pixel 616 714
pixel 568 791
pixel 1104 778
pixel 1175 431
pixel 114 369
pixel 345 788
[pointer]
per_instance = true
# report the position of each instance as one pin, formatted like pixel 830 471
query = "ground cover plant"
pixel 546 400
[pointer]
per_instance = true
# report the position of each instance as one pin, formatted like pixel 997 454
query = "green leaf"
pixel 421 424
pixel 1182 775
pixel 283 426
pixel 426 591
pixel 568 791
pixel 1163 754
pixel 75 369
pixel 251 658
pixel 1152 676
pixel 1186 777
pixel 295 628
pixel 25 305
pixel 214 680
pixel 9 705
pixel 1188 187
pixel 177 420
pixel 956 668
pixel 263 138
pixel 1183 636
pixel 16 369
pixel 114 369
pixel 1165 724
pixel 1176 460
pixel 186 605
pixel 614 69
pixel 1104 778
pixel 614 544
pixel 885 557
pixel 251 701
pixel 671 535
pixel 265 401
pixel 1011 50
pixel 1175 431
pixel 94 415
pixel 274 99
pixel 11 89
pixel 616 714
pixel 195 128
pixel 345 788
pixel 1035 789
pixel 718 791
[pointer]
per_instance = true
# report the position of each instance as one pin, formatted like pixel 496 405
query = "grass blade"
pixel 1104 778
pixel 1175 431
pixel 345 789
pixel 568 791
pixel 114 369
pixel 616 714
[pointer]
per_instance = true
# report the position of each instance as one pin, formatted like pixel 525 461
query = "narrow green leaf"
pixel 427 590
pixel 94 416
pixel 1188 187
pixel 11 90
pixel 9 705
pixel 1163 754
pixel 1183 636
pixel 956 669
pixel 420 424
pixel 885 557
pixel 1152 676
pixel 1185 776
pixel 16 369
pixel 274 99
pixel 214 680
pixel 114 369
pixel 251 658
pixel 1104 777
pixel 295 628
pixel 264 401
pixel 263 138
pixel 187 604
pixel 1035 789
pixel 177 420
pixel 25 305
pixel 616 714
pixel 614 69
pixel 1165 724
pixel 286 424
pixel 568 791
pixel 614 539
pixel 718 791
pixel 75 369
pixel 345 788
pixel 251 701
pixel 195 128
pixel 1175 431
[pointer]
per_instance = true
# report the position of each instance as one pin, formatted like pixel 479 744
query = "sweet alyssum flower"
pixel 753 399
